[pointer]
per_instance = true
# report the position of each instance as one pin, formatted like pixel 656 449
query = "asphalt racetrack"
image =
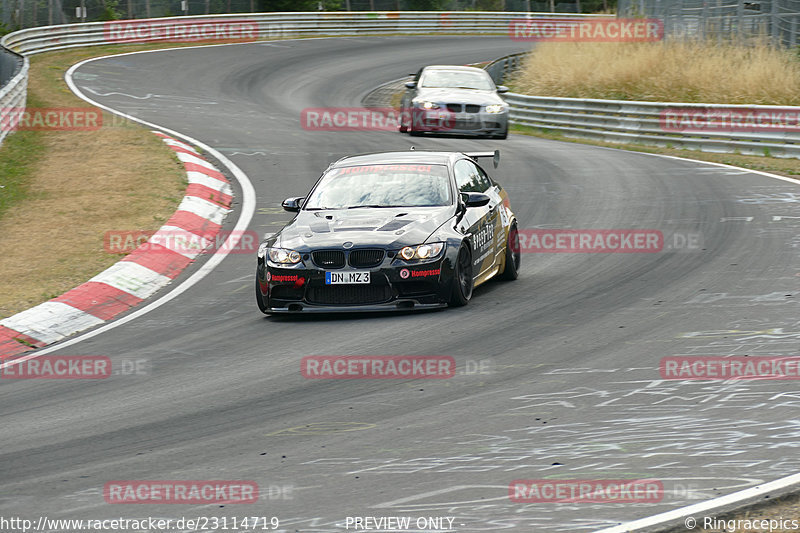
pixel 558 372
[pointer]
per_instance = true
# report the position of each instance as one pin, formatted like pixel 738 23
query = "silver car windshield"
pixel 457 79
pixel 398 185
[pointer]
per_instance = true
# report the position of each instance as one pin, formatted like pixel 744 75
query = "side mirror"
pixel 475 199
pixel 292 204
pixel 502 89
pixel 411 85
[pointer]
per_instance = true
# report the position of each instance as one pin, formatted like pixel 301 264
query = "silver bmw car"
pixel 453 99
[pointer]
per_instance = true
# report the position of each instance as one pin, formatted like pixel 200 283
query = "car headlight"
pixel 495 108
pixel 422 251
pixel 282 255
pixel 428 105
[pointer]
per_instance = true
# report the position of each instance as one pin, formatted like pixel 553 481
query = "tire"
pixel 462 278
pixel 513 258
pixel 259 298
pixel 502 135
pixel 411 130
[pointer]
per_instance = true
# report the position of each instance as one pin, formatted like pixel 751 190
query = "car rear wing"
pixel 494 155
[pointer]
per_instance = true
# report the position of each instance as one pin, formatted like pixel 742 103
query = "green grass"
pixel 18 156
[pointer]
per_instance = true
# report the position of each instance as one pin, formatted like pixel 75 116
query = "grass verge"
pixel 63 190
pixel 669 71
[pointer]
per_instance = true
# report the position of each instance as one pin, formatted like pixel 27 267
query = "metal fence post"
pixel 773 21
pixel 740 19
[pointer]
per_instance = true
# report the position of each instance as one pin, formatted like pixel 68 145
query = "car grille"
pixel 349 294
pixel 471 108
pixel 366 258
pixel 455 108
pixel 328 258
pixel 466 125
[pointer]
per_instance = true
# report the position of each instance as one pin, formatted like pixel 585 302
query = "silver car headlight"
pixel 282 255
pixel 422 251
pixel 428 105
pixel 495 108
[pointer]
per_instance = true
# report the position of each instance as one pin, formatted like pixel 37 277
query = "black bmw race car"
pixel 390 231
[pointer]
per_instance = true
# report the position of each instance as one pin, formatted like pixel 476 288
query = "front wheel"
pixel 411 130
pixel 462 278
pixel 259 297
pixel 403 126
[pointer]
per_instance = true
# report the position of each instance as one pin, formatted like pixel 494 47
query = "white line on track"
pixel 248 208
pixel 698 508
pixel 759 491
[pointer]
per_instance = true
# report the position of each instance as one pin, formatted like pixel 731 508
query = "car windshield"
pixel 457 79
pixel 381 186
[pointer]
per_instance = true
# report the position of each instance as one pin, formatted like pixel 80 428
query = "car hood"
pixel 458 96
pixel 385 227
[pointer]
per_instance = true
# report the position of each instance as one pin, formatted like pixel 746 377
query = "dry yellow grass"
pixel 121 177
pixel 672 71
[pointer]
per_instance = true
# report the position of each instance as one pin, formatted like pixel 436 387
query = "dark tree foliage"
pixel 425 5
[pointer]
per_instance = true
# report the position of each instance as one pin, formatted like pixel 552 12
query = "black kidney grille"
pixel 366 258
pixel 455 108
pixel 328 258
pixel 471 108
pixel 349 294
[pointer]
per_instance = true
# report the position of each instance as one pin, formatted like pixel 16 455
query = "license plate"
pixel 336 278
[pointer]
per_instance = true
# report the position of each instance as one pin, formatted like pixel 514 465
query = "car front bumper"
pixel 445 122
pixel 402 287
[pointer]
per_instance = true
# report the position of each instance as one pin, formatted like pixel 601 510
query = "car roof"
pixel 455 67
pixel 409 156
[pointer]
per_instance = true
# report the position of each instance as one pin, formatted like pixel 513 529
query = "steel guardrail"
pixel 13 95
pixel 624 121
pixel 605 120
pixel 272 25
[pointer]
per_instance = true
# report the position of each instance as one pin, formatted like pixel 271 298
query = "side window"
pixel 470 178
pixel 484 179
pixel 419 73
